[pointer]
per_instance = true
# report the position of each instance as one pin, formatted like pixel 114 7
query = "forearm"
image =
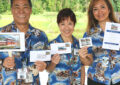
pixel 51 67
pixel 82 75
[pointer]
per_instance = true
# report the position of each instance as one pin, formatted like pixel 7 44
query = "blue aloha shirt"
pixel 34 40
pixel 106 64
pixel 68 71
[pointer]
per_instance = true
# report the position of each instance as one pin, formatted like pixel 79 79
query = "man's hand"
pixel 40 65
pixel 9 62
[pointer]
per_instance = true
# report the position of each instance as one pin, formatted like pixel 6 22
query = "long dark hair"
pixel 92 22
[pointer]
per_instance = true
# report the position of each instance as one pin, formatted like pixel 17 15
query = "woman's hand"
pixel 56 59
pixel 85 58
pixel 9 62
pixel 40 65
pixel 83 52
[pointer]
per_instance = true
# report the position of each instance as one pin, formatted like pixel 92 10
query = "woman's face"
pixel 66 27
pixel 101 11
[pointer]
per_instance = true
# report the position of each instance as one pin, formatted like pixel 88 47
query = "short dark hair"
pixel 65 13
pixel 29 1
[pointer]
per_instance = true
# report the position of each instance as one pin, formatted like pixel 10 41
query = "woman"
pixel 102 70
pixel 65 69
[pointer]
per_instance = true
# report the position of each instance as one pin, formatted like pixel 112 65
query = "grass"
pixel 47 23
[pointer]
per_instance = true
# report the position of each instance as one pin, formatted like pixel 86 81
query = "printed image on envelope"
pixel 60 48
pixel 114 27
pixel 42 55
pixel 12 41
pixel 85 42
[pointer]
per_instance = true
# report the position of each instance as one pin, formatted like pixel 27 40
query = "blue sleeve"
pixel 18 62
pixel 3 55
pixel 45 38
pixel 85 35
pixel 46 42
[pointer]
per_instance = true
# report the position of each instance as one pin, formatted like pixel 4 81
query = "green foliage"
pixel 4 6
pixel 39 6
pixel 116 5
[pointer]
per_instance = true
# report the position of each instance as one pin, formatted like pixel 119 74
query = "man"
pixel 34 40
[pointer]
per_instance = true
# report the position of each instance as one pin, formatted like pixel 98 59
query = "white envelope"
pixel 85 42
pixel 60 48
pixel 42 55
pixel 111 37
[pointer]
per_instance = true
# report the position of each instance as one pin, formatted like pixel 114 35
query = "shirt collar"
pixel 98 28
pixel 59 39
pixel 15 29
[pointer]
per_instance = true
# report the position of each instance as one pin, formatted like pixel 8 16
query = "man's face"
pixel 21 11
